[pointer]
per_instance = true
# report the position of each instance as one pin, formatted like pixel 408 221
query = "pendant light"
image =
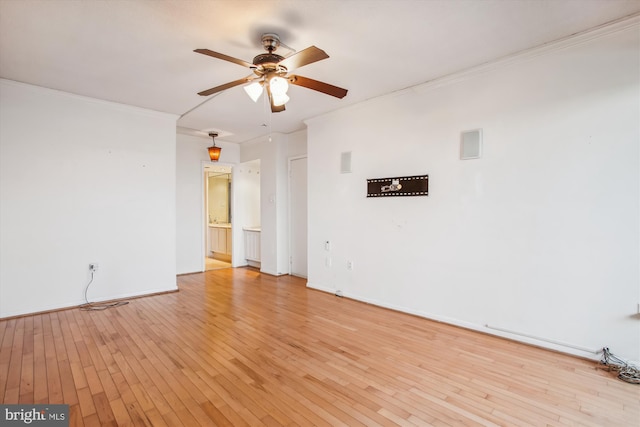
pixel 214 152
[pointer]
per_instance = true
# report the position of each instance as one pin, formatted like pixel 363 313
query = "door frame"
pixel 289 231
pixel 204 215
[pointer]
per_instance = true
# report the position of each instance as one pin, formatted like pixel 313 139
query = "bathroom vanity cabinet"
pixel 220 239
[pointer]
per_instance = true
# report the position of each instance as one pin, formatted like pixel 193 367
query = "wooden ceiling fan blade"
pixel 304 57
pixel 277 108
pixel 225 86
pixel 332 90
pixel 224 57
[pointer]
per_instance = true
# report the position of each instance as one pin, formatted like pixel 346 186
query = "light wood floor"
pixel 235 348
pixel 215 264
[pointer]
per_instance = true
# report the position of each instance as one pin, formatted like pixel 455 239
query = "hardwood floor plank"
pixel 215 414
pixel 75 416
pixel 155 418
pixel 6 352
pixel 109 387
pixel 120 412
pixel 40 387
pixel 15 362
pixel 83 353
pixel 137 415
pixel 27 373
pixel 70 397
pixel 103 409
pixel 3 329
pixel 91 420
pixel 26 379
pixel 79 378
pixel 173 420
pixel 142 397
pixel 235 347
pixel 85 400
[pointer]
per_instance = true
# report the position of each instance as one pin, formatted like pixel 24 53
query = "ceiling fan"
pixel 270 73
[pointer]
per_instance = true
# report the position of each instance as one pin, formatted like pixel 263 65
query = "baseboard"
pixel 80 304
pixel 547 344
pixel 271 273
pixel 321 288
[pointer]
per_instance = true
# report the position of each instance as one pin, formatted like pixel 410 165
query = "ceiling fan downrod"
pixel 270 42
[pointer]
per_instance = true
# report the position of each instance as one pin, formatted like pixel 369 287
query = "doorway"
pixel 298 216
pixel 218 217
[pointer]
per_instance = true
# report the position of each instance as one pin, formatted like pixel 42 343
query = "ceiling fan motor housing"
pixel 266 63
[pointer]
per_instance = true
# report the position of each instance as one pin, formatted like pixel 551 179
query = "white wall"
pixel 296 144
pixel 106 174
pixel 191 156
pixel 540 236
pixel 251 193
pixel 246 187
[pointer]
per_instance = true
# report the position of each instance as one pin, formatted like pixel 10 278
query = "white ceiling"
pixel 140 52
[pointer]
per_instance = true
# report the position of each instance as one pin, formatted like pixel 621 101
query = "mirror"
pixel 219 198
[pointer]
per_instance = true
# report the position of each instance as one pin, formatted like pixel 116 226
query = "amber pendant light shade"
pixel 214 152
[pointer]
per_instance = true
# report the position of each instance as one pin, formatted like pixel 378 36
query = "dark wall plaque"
pixel 417 185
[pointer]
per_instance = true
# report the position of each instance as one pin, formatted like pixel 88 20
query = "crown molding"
pixel 111 104
pixel 572 40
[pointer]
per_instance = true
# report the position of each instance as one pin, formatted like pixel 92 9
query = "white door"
pixel 298 215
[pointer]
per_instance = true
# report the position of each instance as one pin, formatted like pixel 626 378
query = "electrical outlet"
pixel 93 266
pixel 349 265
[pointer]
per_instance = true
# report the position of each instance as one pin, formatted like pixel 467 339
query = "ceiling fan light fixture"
pixel 279 100
pixel 254 90
pixel 214 152
pixel 278 85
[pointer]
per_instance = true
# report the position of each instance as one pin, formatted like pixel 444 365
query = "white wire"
pixel 91 306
